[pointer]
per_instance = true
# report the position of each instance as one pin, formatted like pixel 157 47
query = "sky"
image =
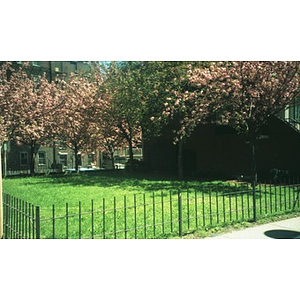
pixel 159 30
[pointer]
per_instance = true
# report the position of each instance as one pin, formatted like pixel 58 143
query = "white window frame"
pixel 44 159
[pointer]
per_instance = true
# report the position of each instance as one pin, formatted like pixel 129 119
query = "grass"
pixel 47 190
pixel 117 205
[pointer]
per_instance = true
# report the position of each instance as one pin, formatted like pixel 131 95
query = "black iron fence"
pixel 21 219
pixel 156 215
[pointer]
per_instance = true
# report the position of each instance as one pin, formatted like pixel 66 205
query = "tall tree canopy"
pixel 168 95
pixel 122 88
pixel 4 88
pixel 26 106
pixel 79 106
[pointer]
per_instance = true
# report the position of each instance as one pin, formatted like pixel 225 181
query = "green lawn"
pixel 47 190
pixel 117 205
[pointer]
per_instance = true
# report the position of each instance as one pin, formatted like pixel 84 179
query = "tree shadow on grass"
pixel 147 182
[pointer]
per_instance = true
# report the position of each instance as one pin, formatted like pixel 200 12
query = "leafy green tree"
pixel 166 90
pixel 121 85
pixel 138 93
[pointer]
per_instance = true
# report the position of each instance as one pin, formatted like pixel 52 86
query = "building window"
pixel 23 158
pixel 58 66
pixel 42 158
pixel 63 159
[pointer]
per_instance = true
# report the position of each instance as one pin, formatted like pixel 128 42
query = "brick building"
pixel 219 151
pixel 57 157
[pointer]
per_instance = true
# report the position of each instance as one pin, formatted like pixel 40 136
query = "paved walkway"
pixel 285 229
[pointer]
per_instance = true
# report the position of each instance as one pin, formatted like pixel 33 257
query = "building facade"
pixel 16 158
pixel 55 68
pixel 57 158
pixel 219 151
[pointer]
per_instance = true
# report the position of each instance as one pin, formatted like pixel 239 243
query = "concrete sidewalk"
pixel 285 229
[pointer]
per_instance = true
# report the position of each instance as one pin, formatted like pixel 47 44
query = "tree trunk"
pixel 4 159
pixel 112 158
pixel 54 165
pixel 128 137
pixel 4 146
pixel 253 161
pixel 32 157
pixel 76 158
pixel 100 159
pixel 252 141
pixel 130 155
pixel 180 159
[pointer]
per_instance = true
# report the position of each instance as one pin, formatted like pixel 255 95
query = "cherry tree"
pixel 26 106
pixel 4 87
pixel 79 104
pixel 242 95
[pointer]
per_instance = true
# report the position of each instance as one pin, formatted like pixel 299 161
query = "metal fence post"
pixel 1 205
pixel 254 200
pixel 37 222
pixel 179 214
pixel 6 212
